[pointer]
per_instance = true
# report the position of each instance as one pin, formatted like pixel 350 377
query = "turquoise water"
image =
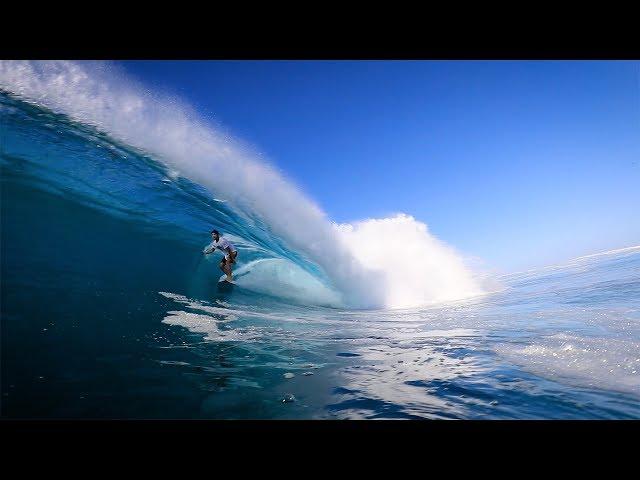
pixel 110 310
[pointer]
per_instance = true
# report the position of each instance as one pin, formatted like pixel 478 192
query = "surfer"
pixel 226 247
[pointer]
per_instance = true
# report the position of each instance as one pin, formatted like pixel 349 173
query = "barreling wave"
pixel 294 250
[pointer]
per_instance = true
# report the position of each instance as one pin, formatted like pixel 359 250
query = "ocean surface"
pixel 110 310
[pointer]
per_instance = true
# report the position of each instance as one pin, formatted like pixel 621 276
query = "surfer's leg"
pixel 229 263
pixel 225 265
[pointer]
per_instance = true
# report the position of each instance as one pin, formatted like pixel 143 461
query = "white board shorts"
pixel 226 255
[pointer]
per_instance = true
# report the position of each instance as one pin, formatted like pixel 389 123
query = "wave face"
pixel 109 141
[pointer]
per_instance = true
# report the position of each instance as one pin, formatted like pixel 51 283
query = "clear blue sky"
pixel 522 164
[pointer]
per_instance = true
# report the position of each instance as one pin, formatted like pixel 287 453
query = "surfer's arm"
pixel 208 250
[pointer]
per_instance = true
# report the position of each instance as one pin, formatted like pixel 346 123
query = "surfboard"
pixel 223 284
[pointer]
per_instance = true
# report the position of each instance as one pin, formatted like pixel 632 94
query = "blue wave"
pixel 153 139
pixel 46 152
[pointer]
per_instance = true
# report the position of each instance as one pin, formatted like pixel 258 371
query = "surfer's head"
pixel 215 234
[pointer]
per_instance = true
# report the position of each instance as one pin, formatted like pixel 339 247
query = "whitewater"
pixel 110 310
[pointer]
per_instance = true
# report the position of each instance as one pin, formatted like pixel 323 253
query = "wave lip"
pixel 353 256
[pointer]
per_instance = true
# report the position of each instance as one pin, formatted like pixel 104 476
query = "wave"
pixel 392 262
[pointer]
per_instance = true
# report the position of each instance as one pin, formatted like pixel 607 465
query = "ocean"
pixel 110 309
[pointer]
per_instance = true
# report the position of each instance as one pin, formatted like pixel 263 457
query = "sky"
pixel 518 164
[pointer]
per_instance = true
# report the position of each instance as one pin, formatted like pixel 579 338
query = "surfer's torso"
pixel 221 244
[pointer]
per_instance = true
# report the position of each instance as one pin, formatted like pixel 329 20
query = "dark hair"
pixel 215 231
